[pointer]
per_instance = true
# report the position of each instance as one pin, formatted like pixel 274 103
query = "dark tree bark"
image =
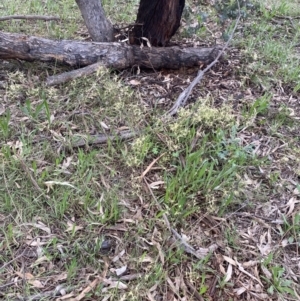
pixel 99 27
pixel 157 20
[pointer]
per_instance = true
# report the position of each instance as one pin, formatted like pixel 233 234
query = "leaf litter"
pixel 238 252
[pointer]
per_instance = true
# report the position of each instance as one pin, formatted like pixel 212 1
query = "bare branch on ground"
pixel 102 138
pixel 67 76
pixel 29 17
pixel 183 97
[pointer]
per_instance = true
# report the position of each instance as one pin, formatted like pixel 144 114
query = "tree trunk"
pixel 114 55
pixel 157 20
pixel 99 27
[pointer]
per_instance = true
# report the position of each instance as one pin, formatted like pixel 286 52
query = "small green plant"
pixel 277 282
pixel 231 235
pixel 4 124
pixel 61 206
pixel 72 268
pixel 291 230
pixel 141 147
pixel 110 207
pixel 34 113
pixel 207 175
pixel 261 105
pixel 47 111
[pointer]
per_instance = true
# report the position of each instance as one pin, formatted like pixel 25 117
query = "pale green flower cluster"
pixel 140 147
pixel 204 116
pixel 182 129
pixel 211 117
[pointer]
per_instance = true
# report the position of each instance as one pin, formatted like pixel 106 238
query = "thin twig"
pixel 102 138
pixel 52 294
pixel 62 78
pixel 287 17
pixel 193 290
pixel 187 248
pixel 183 97
pixel 30 17
pixel 11 261
pixel 150 166
pixel 17 257
pixel 30 176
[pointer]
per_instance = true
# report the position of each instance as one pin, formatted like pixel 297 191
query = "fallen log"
pixel 114 55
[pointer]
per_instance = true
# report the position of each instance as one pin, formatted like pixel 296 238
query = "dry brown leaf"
pixel 265 246
pixel 36 283
pixel 60 277
pixel 150 296
pixel 250 263
pixel 68 297
pixel 150 166
pixel 134 82
pixel 26 276
pixel 131 277
pixel 116 258
pixel 156 185
pixel 290 206
pixel 173 288
pixel 247 273
pixel 72 227
pixel 222 269
pixel 228 273
pixel 160 252
pixel 39 226
pixel 266 272
pixel 240 290
pixel 120 270
pixel 113 284
pixel 90 287
pixel 229 260
pixel 104 125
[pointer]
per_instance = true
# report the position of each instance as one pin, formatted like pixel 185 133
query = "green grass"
pixel 226 171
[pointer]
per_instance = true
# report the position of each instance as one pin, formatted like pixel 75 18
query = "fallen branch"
pixel 113 55
pixel 184 95
pixel 30 17
pixel 102 138
pixel 67 76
